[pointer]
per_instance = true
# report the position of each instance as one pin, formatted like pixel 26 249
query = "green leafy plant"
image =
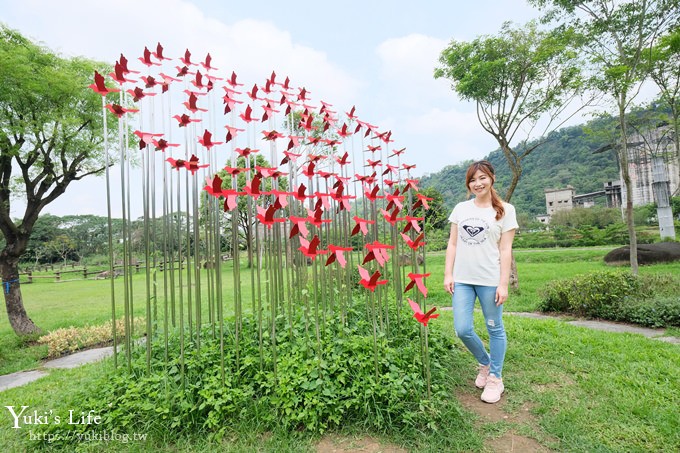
pixel 294 390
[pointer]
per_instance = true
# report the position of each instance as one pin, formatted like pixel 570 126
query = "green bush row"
pixel 648 300
pixel 583 236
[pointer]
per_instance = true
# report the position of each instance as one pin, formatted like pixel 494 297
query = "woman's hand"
pixel 501 294
pixel 448 284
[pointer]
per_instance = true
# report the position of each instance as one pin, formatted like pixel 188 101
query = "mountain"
pixel 567 158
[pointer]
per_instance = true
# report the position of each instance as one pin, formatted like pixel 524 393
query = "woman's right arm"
pixel 450 258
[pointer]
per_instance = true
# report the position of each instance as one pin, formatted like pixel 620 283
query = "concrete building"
pixel 643 150
pixel 559 200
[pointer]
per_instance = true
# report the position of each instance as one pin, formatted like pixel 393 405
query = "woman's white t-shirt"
pixel 477 260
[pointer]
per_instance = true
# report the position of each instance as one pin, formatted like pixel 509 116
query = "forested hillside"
pixel 566 158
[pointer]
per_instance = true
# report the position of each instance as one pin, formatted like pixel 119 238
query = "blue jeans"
pixel 463 300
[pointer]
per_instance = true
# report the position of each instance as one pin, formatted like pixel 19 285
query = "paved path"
pixel 19 378
pixel 654 334
pixel 9 381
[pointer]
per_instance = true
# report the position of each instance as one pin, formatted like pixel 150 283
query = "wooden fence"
pixel 96 273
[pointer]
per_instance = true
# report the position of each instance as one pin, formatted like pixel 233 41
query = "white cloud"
pixel 408 62
pixel 252 48
pixel 446 137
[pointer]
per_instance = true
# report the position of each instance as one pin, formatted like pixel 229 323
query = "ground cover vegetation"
pixel 562 393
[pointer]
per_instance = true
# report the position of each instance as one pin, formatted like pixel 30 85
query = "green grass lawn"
pixel 584 390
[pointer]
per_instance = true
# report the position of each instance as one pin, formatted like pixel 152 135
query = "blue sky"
pixel 376 55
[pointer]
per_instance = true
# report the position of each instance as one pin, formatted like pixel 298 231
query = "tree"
pixel 62 246
pixel 246 211
pixel 89 233
pixel 45 229
pixel 437 216
pixel 50 136
pixel 616 36
pixel 518 79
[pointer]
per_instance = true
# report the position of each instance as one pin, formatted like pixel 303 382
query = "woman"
pixel 478 260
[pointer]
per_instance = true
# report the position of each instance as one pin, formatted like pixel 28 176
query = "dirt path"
pixel 509 441
pixel 334 443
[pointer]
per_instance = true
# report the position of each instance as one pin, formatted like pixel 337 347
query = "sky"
pixel 378 56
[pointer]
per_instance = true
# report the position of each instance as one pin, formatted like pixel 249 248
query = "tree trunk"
pixel 625 175
pixel 514 278
pixel 18 318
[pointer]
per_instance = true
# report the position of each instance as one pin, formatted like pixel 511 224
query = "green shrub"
pixel 593 295
pixel 657 312
pixel 649 300
pixel 309 386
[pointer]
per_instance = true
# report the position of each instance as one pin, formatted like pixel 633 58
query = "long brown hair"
pixel 486 167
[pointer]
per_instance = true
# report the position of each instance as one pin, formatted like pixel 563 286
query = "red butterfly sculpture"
pixel 206 140
pixel 414 244
pixel 337 253
pixel 230 195
pixel 421 317
pixel 145 138
pixel 412 223
pixel 214 186
pixel 99 87
pixel 232 132
pixel 146 58
pixel 310 248
pixel 162 144
pixel 369 281
pixel 184 120
pixel 118 110
pixel 252 188
pixel 422 201
pixel 159 53
pixel 417 280
pixel 267 216
pixel 361 225
pixel 299 226
pixel 378 252
pixel 191 104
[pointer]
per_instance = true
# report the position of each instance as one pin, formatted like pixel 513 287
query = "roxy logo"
pixel 23 416
pixel 473 230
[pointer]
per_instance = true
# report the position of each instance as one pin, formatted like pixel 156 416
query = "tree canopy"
pixel 50 135
pixel 518 78
pixel 616 36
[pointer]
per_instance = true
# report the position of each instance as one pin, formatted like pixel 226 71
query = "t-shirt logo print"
pixel 474 231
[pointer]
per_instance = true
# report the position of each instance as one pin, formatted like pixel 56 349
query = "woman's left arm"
pixel 505 248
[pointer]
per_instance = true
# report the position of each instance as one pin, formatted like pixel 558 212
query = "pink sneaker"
pixel 480 382
pixel 493 390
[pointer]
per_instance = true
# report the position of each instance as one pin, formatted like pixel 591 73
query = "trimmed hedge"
pixel 618 296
